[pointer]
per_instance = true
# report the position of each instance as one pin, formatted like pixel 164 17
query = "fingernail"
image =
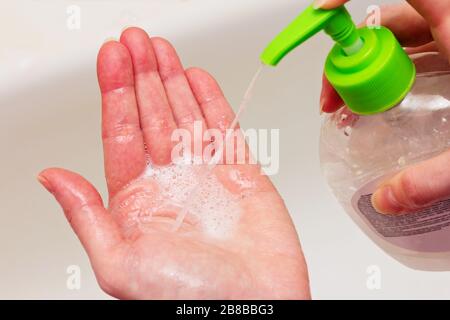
pixel 322 104
pixel 45 183
pixel 385 202
pixel 319 3
pixel 109 39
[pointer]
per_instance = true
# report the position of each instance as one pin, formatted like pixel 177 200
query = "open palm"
pixel 242 245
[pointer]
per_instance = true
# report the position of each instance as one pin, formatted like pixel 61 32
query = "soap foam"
pixel 194 191
pixel 215 209
pixel 219 153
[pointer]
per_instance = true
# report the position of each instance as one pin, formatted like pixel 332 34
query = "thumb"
pixel 328 4
pixel 416 187
pixel 84 210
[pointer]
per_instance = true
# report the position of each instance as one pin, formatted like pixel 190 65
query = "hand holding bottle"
pixel 421 27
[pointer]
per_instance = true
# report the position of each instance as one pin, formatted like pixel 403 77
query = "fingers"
pixel 409 27
pixel 219 115
pixel 415 187
pixel 156 117
pixel 436 62
pixel 184 105
pixel 185 108
pixel 437 14
pixel 328 4
pixel 429 47
pixel 330 101
pixel 122 137
pixel 84 210
pixel 216 109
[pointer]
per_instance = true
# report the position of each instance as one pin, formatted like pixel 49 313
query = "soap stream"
pixel 219 153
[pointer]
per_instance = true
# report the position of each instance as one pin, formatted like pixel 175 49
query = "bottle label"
pixel 427 230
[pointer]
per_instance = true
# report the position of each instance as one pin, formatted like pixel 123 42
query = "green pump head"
pixel 367 66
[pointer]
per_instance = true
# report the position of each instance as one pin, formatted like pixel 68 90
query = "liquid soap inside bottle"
pixel 359 152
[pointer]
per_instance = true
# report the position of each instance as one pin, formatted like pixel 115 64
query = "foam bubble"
pixel 214 208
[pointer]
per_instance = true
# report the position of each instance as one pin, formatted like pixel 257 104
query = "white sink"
pixel 50 116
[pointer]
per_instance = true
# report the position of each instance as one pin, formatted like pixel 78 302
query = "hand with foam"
pixel 237 240
pixel 420 26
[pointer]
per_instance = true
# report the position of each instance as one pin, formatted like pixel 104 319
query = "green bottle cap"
pixel 367 67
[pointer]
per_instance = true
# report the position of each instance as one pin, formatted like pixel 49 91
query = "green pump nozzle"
pixel 367 66
pixel 337 23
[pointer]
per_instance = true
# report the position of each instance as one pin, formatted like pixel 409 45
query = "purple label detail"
pixel 426 230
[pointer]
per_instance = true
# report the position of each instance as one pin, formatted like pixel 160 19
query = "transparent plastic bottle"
pixel 371 72
pixel 359 152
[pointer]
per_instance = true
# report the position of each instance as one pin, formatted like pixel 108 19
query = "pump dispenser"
pixel 367 66
pixel 394 118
